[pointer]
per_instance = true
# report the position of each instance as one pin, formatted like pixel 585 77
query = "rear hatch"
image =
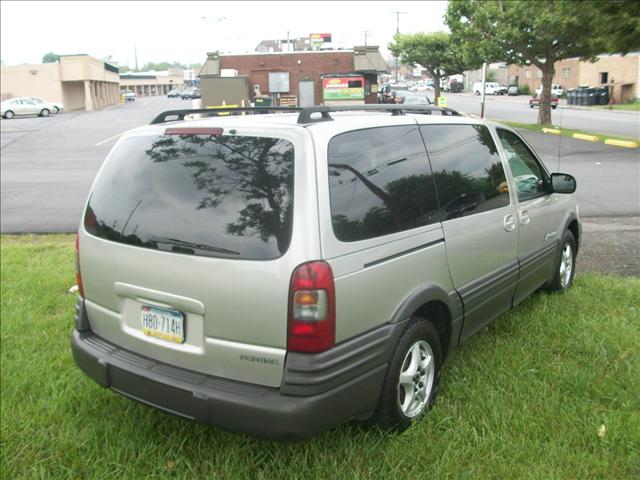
pixel 188 244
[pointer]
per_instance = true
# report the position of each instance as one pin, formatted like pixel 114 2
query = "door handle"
pixel 524 217
pixel 509 222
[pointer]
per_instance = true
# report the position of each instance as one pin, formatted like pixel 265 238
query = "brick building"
pixel 304 70
pixel 617 71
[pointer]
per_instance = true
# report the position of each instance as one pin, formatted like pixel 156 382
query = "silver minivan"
pixel 279 274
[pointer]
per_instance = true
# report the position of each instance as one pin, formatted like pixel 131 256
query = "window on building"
pixel 467 169
pixel 604 77
pixel 527 74
pixel 565 72
pixel 380 183
pixel 539 73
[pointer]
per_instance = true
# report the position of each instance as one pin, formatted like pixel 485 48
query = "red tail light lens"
pixel 78 274
pixel 312 309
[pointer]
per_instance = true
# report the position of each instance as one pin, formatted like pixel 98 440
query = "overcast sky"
pixel 185 31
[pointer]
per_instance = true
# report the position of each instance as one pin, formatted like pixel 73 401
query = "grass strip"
pixel 567 132
pixel 631 107
pixel 548 390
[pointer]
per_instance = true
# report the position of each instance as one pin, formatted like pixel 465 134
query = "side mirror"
pixel 563 183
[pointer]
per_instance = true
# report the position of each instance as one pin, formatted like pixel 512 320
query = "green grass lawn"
pixel 567 132
pixel 525 398
pixel 632 107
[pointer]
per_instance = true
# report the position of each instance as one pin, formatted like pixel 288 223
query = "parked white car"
pixel 24 106
pixel 555 90
pixel 491 88
pixel 55 106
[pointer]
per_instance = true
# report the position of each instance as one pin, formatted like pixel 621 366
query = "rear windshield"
pixel 214 196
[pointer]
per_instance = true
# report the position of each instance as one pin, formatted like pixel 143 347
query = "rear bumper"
pixel 228 404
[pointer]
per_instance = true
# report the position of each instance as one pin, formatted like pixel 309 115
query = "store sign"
pixel 318 39
pixel 343 88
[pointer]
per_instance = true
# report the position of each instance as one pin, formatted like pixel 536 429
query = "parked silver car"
pixel 280 274
pixel 24 106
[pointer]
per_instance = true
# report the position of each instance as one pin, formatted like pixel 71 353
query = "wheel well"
pixel 573 228
pixel 438 315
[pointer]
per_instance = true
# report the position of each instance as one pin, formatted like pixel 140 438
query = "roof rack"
pixel 306 114
pixel 397 109
pixel 180 114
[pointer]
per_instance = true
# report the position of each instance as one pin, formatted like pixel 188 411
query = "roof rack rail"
pixel 397 109
pixel 306 114
pixel 180 114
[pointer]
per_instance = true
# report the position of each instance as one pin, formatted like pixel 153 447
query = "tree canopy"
pixel 50 57
pixel 433 51
pixel 541 33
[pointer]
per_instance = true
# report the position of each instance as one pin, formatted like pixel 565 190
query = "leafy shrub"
pixel 524 89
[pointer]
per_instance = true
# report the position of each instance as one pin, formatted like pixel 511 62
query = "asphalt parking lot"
pixel 48 165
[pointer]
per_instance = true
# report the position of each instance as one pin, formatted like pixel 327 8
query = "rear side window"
pixel 467 169
pixel 215 196
pixel 379 183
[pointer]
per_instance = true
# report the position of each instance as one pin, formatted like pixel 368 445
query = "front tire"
pixel 44 112
pixel 565 268
pixel 56 110
pixel 412 379
pixel 8 114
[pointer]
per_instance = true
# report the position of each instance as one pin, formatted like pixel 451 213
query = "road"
pixel 516 109
pixel 48 165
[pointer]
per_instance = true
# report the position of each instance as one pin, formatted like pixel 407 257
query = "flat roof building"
pixel 145 84
pixel 80 82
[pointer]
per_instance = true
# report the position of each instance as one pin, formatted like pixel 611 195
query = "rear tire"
pixel 8 114
pixel 56 110
pixel 44 112
pixel 566 265
pixel 411 383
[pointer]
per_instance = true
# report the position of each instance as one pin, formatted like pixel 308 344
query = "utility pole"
pixel 484 83
pixel 366 33
pixel 135 52
pixel 397 14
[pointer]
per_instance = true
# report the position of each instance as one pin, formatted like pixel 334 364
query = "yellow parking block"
pixel 621 143
pixel 555 131
pixel 582 136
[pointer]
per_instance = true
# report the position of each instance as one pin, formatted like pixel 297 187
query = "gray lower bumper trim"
pixel 228 404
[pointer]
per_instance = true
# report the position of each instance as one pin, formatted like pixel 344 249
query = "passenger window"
pixel 529 176
pixel 468 172
pixel 380 183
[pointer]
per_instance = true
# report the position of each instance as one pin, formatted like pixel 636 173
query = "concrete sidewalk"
pixel 610 245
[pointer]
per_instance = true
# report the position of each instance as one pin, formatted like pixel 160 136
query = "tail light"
pixel 312 309
pixel 78 274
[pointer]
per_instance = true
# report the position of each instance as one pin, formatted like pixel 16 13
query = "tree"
pixel 542 33
pixel 433 51
pixel 50 57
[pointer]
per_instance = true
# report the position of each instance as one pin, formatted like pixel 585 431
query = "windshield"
pixel 206 195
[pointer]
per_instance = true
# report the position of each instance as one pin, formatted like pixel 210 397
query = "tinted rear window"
pixel 215 196
pixel 380 183
pixel 467 169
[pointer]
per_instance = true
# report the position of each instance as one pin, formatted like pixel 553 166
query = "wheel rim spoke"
pixel 416 379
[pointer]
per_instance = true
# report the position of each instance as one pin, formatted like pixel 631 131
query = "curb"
pixel 582 136
pixel 594 138
pixel 621 143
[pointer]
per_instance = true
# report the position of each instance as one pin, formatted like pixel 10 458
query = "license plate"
pixel 162 323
